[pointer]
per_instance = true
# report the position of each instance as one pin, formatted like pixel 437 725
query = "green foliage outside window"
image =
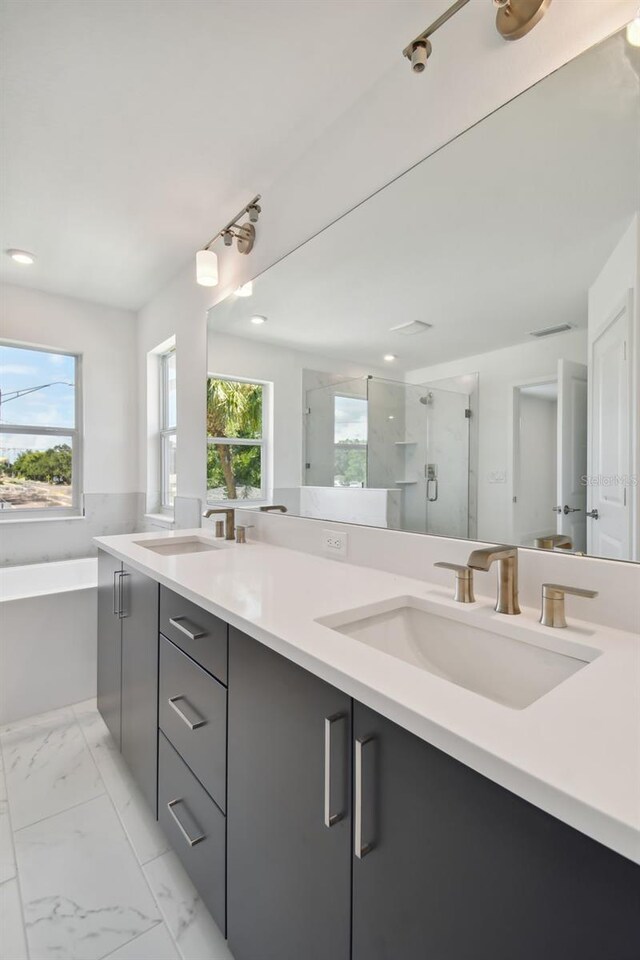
pixel 350 463
pixel 48 466
pixel 234 411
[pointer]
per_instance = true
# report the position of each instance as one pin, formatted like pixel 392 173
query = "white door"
pixel 572 452
pixel 609 502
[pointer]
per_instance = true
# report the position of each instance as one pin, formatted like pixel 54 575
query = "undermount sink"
pixel 174 546
pixel 512 672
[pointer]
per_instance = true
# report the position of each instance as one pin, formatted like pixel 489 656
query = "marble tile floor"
pixel 85 871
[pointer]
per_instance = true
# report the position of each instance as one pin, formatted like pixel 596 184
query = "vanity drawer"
pixel 194 630
pixel 195 828
pixel 193 717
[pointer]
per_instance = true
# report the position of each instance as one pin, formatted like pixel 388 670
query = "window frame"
pixel 245 442
pixel 351 445
pixel 166 432
pixel 75 433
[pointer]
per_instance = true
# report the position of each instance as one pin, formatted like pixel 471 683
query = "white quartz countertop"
pixel 575 752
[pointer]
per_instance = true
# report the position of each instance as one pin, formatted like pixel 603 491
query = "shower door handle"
pixel 432 490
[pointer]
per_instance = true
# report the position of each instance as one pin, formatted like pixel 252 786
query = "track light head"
pixel 254 211
pixel 227 238
pixel 420 53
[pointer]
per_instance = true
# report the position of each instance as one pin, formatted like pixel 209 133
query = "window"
pixel 168 429
pixel 39 431
pixel 350 441
pixel 235 440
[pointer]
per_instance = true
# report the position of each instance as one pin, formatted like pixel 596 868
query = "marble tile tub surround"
pixel 85 871
pixel 42 541
pixel 413 555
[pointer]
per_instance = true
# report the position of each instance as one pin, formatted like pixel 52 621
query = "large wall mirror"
pixel 460 354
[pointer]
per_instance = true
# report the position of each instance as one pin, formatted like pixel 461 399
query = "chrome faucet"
pixel 274 506
pixel 229 515
pixel 507 558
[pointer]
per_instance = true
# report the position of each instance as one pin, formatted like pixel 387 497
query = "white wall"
pixel 620 274
pixel 499 372
pixel 106 339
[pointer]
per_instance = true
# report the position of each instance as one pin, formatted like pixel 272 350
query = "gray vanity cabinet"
pixel 128 667
pixel 288 873
pixel 139 619
pixel 109 642
pixel 452 866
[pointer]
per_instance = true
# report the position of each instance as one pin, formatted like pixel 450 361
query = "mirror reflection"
pixel 460 355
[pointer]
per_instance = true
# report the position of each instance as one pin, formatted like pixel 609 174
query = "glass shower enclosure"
pixel 412 440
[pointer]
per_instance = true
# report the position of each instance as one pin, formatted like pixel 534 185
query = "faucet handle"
pixel 464 581
pixel 241 532
pixel 553 594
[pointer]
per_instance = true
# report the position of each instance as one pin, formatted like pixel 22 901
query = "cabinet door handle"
pixel 192 634
pixel 329 818
pixel 192 724
pixel 116 593
pixel 189 837
pixel 122 614
pixel 360 849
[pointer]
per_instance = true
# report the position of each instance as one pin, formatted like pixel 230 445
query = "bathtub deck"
pixel 85 872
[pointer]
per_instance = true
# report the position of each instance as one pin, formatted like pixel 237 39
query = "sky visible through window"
pixel 51 406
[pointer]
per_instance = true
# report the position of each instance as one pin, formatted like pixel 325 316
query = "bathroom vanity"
pixel 330 801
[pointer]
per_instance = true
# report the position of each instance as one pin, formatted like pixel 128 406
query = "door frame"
pixel 513 457
pixel 624 303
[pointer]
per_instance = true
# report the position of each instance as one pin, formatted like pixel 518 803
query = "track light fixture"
pixel 243 233
pixel 514 19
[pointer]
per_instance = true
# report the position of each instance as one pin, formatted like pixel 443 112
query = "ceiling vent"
pixel 411 328
pixel 550 331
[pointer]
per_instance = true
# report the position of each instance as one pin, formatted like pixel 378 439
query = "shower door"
pixel 447 463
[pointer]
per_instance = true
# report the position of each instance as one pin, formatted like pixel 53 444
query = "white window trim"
pixel 77 507
pixel 248 442
pixel 167 431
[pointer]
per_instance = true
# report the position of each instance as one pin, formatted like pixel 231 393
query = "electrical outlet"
pixel 334 544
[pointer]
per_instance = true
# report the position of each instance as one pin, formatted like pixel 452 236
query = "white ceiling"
pixel 498 234
pixel 133 130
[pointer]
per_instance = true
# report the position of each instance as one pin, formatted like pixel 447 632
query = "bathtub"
pixel 48 636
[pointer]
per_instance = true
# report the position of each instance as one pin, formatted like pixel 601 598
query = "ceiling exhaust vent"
pixel 549 331
pixel 411 328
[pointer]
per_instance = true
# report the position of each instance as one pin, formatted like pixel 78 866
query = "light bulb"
pixel 207 268
pixel 258 320
pixel 21 256
pixel 389 357
pixel 246 290
pixel 633 31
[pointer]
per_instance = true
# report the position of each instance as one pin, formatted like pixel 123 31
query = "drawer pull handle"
pixel 192 724
pixel 193 634
pixel 329 818
pixel 360 849
pixel 191 840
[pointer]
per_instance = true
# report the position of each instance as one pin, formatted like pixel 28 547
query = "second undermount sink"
pixel 175 546
pixel 513 672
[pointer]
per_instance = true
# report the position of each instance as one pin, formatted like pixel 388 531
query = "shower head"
pixel 427 400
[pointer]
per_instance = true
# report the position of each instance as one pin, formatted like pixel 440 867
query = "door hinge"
pixel 307 466
pixel 307 411
pixel 467 413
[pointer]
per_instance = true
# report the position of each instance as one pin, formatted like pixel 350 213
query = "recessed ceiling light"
pixel 258 320
pixel 21 256
pixel 390 357
pixel 245 290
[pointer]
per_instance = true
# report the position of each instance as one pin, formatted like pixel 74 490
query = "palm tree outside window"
pixel 235 440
